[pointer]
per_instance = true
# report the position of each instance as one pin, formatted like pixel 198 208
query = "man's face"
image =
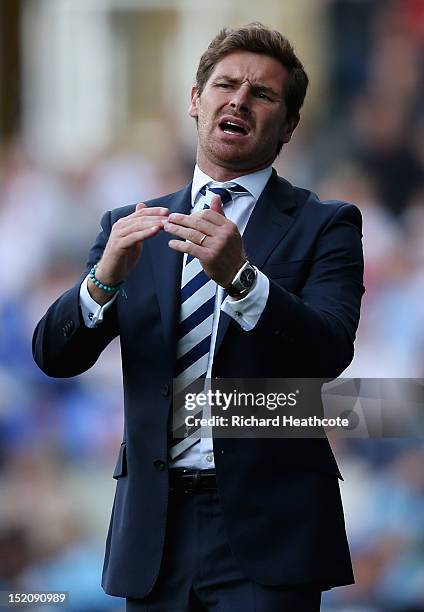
pixel 241 114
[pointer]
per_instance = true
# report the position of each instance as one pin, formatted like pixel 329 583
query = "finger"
pixel 216 205
pixel 126 226
pixel 187 247
pixel 153 210
pixel 132 239
pixel 186 233
pixel 141 211
pixel 194 220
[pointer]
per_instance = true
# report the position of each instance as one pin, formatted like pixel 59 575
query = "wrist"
pixel 243 282
pixel 107 274
pixel 100 297
pixel 99 281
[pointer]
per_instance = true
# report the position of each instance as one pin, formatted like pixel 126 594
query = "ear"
pixel 288 128
pixel 193 110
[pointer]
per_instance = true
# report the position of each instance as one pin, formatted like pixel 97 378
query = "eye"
pixel 262 95
pixel 223 85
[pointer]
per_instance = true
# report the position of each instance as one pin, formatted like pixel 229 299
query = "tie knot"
pixel 226 193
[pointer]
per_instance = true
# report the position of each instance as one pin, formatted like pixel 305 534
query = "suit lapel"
pixel 267 226
pixel 269 222
pixel 167 265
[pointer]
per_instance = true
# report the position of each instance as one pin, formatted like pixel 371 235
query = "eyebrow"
pixel 255 86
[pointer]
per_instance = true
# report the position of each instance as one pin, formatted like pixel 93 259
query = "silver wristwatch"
pixel 243 281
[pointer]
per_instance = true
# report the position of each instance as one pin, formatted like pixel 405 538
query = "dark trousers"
pixel 200 574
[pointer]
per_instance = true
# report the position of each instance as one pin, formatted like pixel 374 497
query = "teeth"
pixel 233 128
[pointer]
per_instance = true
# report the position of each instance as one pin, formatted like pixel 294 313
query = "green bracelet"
pixel 95 281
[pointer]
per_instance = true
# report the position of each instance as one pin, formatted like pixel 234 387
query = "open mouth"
pixel 230 127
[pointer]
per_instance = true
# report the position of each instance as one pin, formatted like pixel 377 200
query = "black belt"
pixel 186 480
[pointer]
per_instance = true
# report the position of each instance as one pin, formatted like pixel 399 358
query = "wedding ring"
pixel 202 238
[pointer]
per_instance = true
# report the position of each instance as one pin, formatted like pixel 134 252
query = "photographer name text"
pixel 276 421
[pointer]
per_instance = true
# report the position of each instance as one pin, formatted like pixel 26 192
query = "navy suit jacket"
pixel 280 497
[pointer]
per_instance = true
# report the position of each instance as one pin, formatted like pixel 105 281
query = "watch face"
pixel 247 277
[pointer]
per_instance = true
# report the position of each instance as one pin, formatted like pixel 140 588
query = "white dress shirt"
pixel 246 311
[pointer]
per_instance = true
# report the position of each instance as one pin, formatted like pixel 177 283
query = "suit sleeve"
pixel 320 322
pixel 62 345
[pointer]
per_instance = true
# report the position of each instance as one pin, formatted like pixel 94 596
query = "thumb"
pixel 140 205
pixel 216 205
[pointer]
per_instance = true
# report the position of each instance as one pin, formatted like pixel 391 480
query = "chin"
pixel 231 155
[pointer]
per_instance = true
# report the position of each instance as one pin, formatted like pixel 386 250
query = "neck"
pixel 222 174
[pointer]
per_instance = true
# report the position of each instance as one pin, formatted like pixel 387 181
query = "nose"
pixel 240 100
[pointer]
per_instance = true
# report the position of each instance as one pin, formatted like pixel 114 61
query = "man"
pixel 237 275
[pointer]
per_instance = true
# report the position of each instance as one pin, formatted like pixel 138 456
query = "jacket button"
pixel 159 465
pixel 165 390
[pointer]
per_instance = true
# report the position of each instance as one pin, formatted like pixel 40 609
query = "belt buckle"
pixel 193 480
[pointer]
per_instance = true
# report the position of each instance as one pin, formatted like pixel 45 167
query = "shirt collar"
pixel 254 182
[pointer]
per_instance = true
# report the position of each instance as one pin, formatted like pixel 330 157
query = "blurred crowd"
pixel 58 437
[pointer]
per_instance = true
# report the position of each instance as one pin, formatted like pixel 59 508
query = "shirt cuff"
pixel 92 312
pixel 248 310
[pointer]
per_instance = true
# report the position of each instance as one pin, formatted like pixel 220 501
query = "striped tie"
pixel 194 336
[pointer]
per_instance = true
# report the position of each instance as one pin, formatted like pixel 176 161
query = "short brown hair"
pixel 257 38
